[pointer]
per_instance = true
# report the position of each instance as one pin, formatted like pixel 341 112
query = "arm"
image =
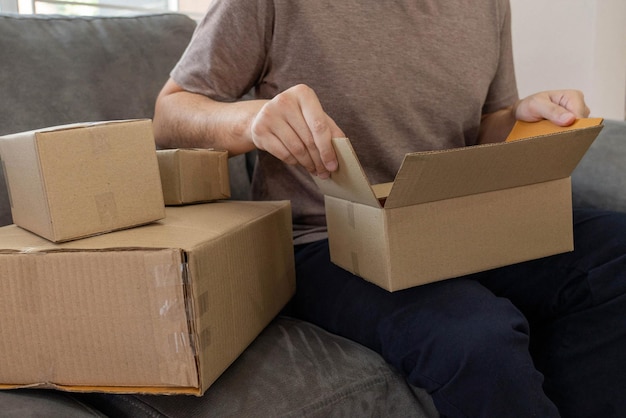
pixel 293 126
pixel 562 107
pixel 188 120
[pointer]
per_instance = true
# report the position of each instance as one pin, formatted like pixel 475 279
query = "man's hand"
pixel 294 128
pixel 561 107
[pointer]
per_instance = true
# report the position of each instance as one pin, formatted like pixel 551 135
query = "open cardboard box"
pixel 454 212
pixel 160 308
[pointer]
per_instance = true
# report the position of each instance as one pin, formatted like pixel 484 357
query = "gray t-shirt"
pixel 397 77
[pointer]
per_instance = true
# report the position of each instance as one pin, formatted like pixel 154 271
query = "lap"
pixel 552 287
pixel 348 305
pixel 542 289
pixel 569 299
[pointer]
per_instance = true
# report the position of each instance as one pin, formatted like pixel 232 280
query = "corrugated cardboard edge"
pixel 524 130
pixel 147 390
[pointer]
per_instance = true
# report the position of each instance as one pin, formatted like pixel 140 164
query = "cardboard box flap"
pixel 445 174
pixel 523 130
pixel 437 175
pixel 349 182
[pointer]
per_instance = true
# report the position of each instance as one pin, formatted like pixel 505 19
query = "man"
pixel 398 77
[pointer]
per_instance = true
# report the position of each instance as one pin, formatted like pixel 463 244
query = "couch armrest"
pixel 599 181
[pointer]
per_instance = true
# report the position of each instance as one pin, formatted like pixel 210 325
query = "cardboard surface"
pixel 161 308
pixel 523 130
pixel 454 212
pixel 78 180
pixel 193 175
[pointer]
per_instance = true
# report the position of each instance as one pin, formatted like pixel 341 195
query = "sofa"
pixel 56 70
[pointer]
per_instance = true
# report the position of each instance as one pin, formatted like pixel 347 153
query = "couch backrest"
pixel 599 181
pixel 56 70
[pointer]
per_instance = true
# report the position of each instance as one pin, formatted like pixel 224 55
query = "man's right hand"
pixel 294 128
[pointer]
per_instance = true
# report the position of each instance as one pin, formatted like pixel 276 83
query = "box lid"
pixel 184 228
pixel 68 126
pixel 436 175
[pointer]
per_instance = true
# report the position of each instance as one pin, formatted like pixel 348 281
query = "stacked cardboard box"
pixel 78 180
pixel 162 300
pixel 193 175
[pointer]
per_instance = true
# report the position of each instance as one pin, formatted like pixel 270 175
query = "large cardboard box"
pixel 193 175
pixel 72 181
pixel 161 308
pixel 455 212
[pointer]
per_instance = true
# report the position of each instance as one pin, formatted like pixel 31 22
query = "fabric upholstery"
pixel 36 403
pixel 58 70
pixel 599 181
pixel 295 370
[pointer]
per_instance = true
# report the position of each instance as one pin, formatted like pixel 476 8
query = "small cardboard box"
pixel 161 308
pixel 454 212
pixel 73 181
pixel 193 175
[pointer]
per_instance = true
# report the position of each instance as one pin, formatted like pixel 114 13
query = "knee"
pixel 490 337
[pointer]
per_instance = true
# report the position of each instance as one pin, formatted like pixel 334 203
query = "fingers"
pixel 321 128
pixel 562 107
pixel 572 100
pixel 294 128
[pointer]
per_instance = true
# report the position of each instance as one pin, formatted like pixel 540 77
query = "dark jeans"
pixel 510 342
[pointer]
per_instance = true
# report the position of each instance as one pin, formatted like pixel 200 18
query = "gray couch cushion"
pixel 35 403
pixel 56 70
pixel 599 181
pixel 294 369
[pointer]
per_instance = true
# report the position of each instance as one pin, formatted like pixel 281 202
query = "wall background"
pixel 577 44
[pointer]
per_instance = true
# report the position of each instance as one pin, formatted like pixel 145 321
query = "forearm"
pixel 495 127
pixel 188 120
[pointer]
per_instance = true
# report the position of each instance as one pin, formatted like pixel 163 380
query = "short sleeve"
pixel 503 88
pixel 227 54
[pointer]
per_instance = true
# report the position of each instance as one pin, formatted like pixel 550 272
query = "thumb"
pixel 537 107
pixel 561 116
